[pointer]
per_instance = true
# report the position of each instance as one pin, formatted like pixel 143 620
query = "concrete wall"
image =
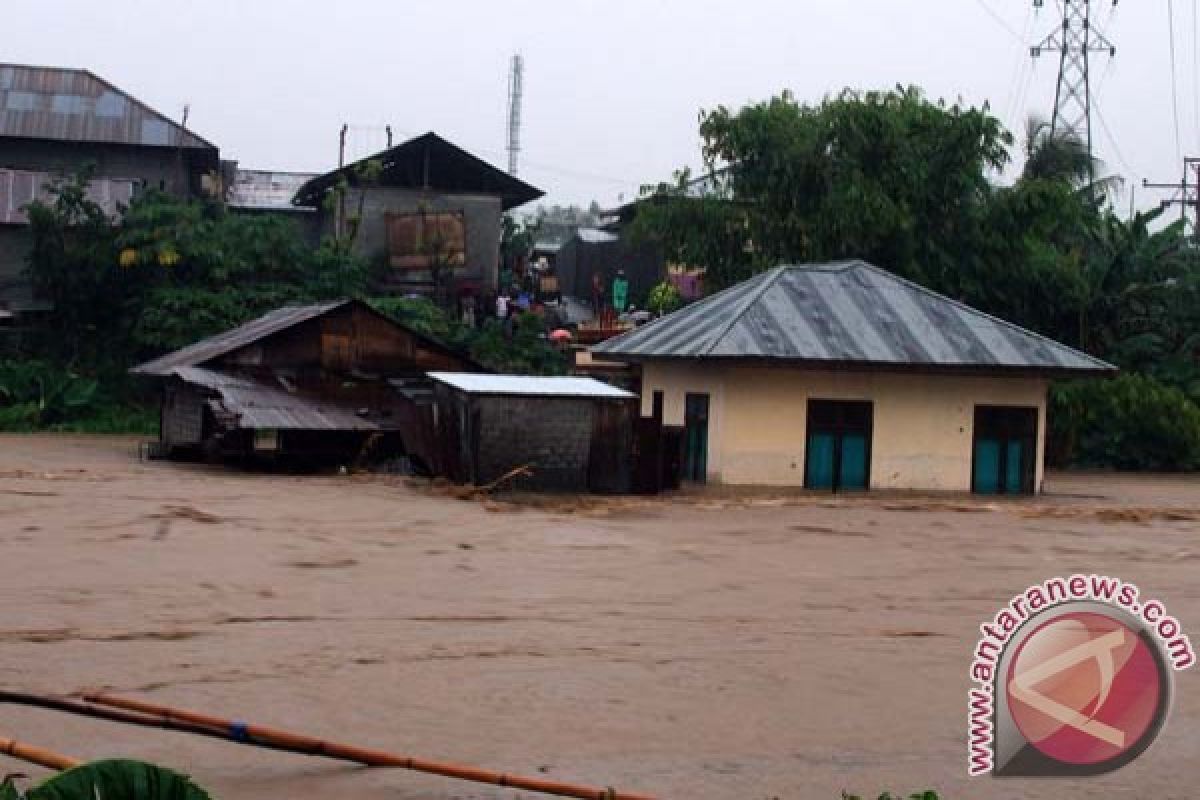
pixel 482 214
pixel 553 434
pixel 923 424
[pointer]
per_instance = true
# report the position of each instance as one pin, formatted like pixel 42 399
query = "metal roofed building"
pixel 311 381
pixel 844 376
pixel 55 120
pixel 571 433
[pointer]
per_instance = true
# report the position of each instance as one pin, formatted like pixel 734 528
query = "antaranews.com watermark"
pixel 1073 677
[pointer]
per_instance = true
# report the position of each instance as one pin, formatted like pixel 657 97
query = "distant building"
pixel 432 215
pixel 54 122
pixel 594 252
pixel 843 376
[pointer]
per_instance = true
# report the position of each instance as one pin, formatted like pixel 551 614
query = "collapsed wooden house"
pixel 322 383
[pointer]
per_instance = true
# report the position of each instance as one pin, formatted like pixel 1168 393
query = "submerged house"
pixel 320 382
pixel 429 210
pixel 843 376
pixel 55 121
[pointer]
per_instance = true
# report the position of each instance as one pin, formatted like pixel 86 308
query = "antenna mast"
pixel 516 75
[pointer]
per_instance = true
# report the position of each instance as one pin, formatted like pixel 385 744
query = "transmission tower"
pixel 516 76
pixel 1074 41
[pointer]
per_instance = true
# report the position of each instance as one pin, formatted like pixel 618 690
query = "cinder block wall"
pixel 551 433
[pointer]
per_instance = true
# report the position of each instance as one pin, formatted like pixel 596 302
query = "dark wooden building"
pixel 601 252
pixel 321 382
pixel 574 434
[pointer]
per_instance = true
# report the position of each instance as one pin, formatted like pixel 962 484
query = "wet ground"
pixel 725 644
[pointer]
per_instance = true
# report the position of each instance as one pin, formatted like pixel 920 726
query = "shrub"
pixel 1131 422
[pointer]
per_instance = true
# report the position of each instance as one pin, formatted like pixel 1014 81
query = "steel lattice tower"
pixel 1074 41
pixel 516 77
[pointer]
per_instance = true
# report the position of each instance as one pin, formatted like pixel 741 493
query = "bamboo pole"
pixel 37 755
pixel 276 738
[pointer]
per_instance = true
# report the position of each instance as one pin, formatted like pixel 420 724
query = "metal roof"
pixel 532 386
pixel 74 105
pixel 595 236
pixel 214 346
pixel 428 162
pixel 846 313
pixel 259 405
pixel 264 190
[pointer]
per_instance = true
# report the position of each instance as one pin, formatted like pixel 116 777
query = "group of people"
pixel 619 296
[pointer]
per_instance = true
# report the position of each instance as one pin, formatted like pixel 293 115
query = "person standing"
pixel 620 292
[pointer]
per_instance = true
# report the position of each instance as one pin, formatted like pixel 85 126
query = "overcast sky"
pixel 612 88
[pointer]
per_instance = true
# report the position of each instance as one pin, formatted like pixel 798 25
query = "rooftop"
pixel 850 314
pixel 428 162
pixel 531 386
pixel 75 105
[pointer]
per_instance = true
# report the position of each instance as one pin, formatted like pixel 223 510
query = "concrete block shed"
pixel 575 434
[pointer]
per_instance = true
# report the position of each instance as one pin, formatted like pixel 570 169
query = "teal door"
pixel 695 421
pixel 853 474
pixel 820 461
pixel 1005 450
pixel 987 466
pixel 838 452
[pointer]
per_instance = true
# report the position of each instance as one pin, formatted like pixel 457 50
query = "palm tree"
pixel 1052 155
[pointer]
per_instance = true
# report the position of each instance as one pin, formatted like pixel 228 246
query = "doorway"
pixel 1004 451
pixel 837 456
pixel 695 426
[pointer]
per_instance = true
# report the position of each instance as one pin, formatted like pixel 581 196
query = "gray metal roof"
pixel 595 236
pixel 531 386
pixel 847 313
pixel 215 346
pixel 74 105
pixel 258 405
pixel 264 190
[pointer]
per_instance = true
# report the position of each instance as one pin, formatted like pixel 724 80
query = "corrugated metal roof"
pixel 263 190
pixel 428 162
pixel 259 405
pixel 534 386
pixel 845 313
pixel 214 346
pixel 75 105
pixel 595 236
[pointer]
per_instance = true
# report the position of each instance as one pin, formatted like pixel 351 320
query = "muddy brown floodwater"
pixel 705 646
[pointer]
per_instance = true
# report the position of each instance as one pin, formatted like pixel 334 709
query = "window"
pixel 1004 456
pixel 422 239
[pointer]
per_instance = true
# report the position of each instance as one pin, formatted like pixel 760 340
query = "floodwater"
pixel 705 646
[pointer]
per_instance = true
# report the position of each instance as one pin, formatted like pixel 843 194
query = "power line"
pixel 1174 77
pixel 1196 65
pixel 1112 140
pixel 1001 21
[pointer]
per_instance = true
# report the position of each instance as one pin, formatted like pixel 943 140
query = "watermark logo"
pixel 1072 678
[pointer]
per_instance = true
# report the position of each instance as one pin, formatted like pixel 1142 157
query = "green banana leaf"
pixel 116 779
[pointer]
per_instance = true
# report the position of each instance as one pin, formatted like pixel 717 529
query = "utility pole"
pixel 1187 192
pixel 516 79
pixel 1074 41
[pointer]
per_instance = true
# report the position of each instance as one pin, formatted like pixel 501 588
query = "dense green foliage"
pixel 910 185
pixel 525 351
pixel 117 778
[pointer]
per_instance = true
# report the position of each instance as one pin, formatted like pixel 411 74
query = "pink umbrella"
pixel 560 335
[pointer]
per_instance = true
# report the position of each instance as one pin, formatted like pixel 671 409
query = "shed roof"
pixel 215 346
pixel 206 350
pixel 266 190
pixel 259 405
pixel 850 314
pixel 428 162
pixel 530 386
pixel 75 105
